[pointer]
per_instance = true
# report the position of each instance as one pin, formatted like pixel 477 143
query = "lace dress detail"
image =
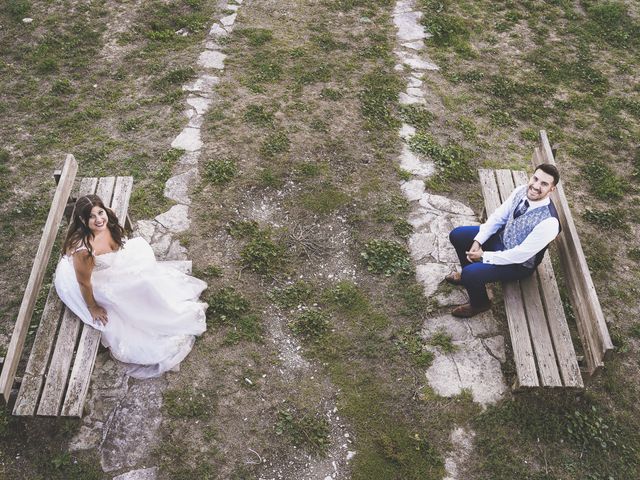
pixel 153 309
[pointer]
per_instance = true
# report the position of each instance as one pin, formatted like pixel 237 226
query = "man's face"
pixel 540 185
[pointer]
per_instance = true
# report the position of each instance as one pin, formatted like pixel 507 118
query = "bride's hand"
pixel 99 314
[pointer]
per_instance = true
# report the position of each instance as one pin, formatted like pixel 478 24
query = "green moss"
pixel 309 431
pixel 386 257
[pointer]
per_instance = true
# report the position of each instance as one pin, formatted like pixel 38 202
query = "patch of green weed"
pixel 274 144
pixel 262 255
pixel 292 295
pixel 259 115
pixel 386 257
pixel 310 432
pixel 443 341
pixel 227 305
pixel 256 36
pixel 603 182
pixel 220 171
pixel 311 325
pixel 610 219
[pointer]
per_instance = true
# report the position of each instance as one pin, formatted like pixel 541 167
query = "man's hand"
pixel 99 314
pixel 474 254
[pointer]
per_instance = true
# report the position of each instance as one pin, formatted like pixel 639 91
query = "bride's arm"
pixel 83 265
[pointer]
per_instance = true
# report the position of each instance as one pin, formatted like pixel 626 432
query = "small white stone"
pixel 350 454
pixel 141 474
pixel 232 7
pixel 27 20
pixel 228 20
pixel 415 92
pixel 212 59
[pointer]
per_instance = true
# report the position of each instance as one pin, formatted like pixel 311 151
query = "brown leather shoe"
pixel 454 278
pixel 466 310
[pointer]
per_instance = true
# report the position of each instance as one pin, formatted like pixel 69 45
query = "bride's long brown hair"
pixel 79 232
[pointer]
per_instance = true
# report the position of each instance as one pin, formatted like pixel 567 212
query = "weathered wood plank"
pixel 515 307
pixel 105 189
pixel 81 373
pixel 121 195
pixel 490 192
pixel 33 377
pixel 41 260
pixel 60 363
pixel 589 317
pixel 540 337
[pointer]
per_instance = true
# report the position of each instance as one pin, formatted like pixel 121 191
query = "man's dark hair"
pixel 550 170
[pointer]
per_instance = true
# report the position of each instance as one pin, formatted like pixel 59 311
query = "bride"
pixel 148 313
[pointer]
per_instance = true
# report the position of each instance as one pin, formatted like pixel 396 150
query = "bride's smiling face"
pixel 98 220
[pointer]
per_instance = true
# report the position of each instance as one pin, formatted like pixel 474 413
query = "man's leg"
pixel 476 275
pixel 461 238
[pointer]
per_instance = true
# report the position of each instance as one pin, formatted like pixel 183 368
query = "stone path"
pixel 124 414
pixel 475 363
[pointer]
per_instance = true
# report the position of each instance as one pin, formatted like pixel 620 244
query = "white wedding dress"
pixel 153 309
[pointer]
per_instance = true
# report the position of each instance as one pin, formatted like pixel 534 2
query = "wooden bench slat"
pixel 540 337
pixel 81 372
pixel 33 377
pixel 558 327
pixel 105 189
pixel 515 307
pixel 121 195
pixel 60 362
pixel 16 344
pixel 490 192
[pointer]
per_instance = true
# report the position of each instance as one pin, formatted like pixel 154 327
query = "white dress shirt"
pixel 541 235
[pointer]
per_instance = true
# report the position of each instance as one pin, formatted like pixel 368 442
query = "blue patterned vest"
pixel 516 230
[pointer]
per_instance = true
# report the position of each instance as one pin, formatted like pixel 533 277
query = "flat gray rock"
pixel 203 84
pixel 446 252
pixel 403 6
pixel 133 431
pixel 414 82
pixel 196 121
pixel 421 218
pixel 189 158
pixel 415 92
pixel 462 443
pixel 407 131
pixel 217 31
pixel 430 276
pixel 176 219
pixel 469 367
pixel 413 189
pixel 422 245
pixel 188 139
pixel 453 298
pixel 176 251
pixel 200 104
pixel 410 162
pixel 408 25
pixel 417 45
pixel 406 99
pixel 420 64
pixel 228 20
pixel 145 229
pixel 177 188
pixel 445 204
pixel 141 474
pixel 212 59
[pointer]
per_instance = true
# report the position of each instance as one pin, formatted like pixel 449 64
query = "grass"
pixel 191 404
pixel 220 171
pixel 310 325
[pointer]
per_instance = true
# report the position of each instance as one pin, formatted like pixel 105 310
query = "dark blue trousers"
pixel 477 274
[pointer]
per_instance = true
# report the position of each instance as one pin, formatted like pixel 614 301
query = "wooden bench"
pixel 58 372
pixel 542 347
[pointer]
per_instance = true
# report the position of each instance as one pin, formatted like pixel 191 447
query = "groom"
pixel 510 244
